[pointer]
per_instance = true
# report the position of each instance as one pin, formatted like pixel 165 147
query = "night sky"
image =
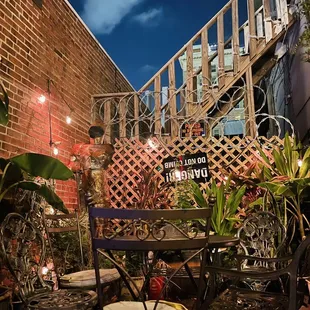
pixel 142 35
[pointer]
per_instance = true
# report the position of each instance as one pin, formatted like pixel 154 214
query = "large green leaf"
pixel 29 185
pixel 43 166
pixel 258 202
pixel 52 198
pixel 279 161
pixel 307 153
pixel 272 187
pixel 4 106
pixel 198 196
pixel 262 154
pixel 304 169
pixel 220 204
pixel 288 150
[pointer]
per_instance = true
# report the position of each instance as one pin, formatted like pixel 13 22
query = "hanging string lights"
pixel 45 97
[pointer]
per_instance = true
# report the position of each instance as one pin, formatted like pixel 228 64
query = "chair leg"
pixel 293 293
pixel 98 283
pixel 202 275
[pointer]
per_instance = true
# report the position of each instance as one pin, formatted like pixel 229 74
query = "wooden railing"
pixel 256 33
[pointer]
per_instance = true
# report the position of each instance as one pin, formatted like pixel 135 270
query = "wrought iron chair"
pixel 85 279
pixel 23 249
pixel 146 230
pixel 262 235
pixel 260 239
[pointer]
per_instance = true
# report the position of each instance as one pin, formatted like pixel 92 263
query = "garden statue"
pixel 89 161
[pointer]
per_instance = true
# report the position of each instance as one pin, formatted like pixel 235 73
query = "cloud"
pixel 102 16
pixel 150 17
pixel 147 68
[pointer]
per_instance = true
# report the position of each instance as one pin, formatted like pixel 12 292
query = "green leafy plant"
pixel 225 209
pixel 183 195
pixel 287 176
pixel 19 172
pixel 151 194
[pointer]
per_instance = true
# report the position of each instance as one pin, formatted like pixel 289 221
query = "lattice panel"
pixel 223 153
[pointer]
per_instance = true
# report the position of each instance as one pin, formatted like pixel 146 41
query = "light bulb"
pixel 299 162
pixel 177 174
pixel 41 99
pixel 151 143
pixel 68 119
pixel 44 270
pixel 55 150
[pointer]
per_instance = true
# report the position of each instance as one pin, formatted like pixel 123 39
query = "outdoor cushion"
pixel 134 305
pixel 87 278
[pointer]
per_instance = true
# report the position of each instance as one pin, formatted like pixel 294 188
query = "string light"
pixel 55 147
pixel 45 270
pixel 55 150
pixel 177 174
pixel 151 143
pixel 68 119
pixel 41 99
pixel 299 162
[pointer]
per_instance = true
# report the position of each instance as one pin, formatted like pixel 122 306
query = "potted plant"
pixel 286 175
pixel 225 210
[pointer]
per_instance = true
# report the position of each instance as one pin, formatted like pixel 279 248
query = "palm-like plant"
pixel 286 174
pixel 228 199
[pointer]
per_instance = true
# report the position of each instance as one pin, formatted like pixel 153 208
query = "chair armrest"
pixel 245 274
pixel 263 259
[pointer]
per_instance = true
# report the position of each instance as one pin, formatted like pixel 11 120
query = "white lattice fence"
pixel 130 156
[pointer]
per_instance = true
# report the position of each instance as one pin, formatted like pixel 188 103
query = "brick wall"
pixel 37 44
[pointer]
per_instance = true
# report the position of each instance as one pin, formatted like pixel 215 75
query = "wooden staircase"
pixel 201 89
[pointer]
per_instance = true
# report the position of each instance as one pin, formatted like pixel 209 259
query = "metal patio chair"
pixel 23 250
pixel 262 238
pixel 143 231
pixel 84 279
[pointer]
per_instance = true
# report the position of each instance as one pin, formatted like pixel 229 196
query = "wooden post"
pixel 220 50
pixel 268 21
pixel 250 104
pixel 252 30
pixel 206 79
pixel 136 116
pixel 189 80
pixel 235 36
pixel 172 100
pixel 107 121
pixel 122 116
pixel 157 114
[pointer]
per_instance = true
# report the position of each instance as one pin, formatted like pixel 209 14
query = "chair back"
pixel 23 250
pixel 61 224
pixel 148 230
pixel 262 235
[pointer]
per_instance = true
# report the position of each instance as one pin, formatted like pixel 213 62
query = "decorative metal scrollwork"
pixel 142 230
